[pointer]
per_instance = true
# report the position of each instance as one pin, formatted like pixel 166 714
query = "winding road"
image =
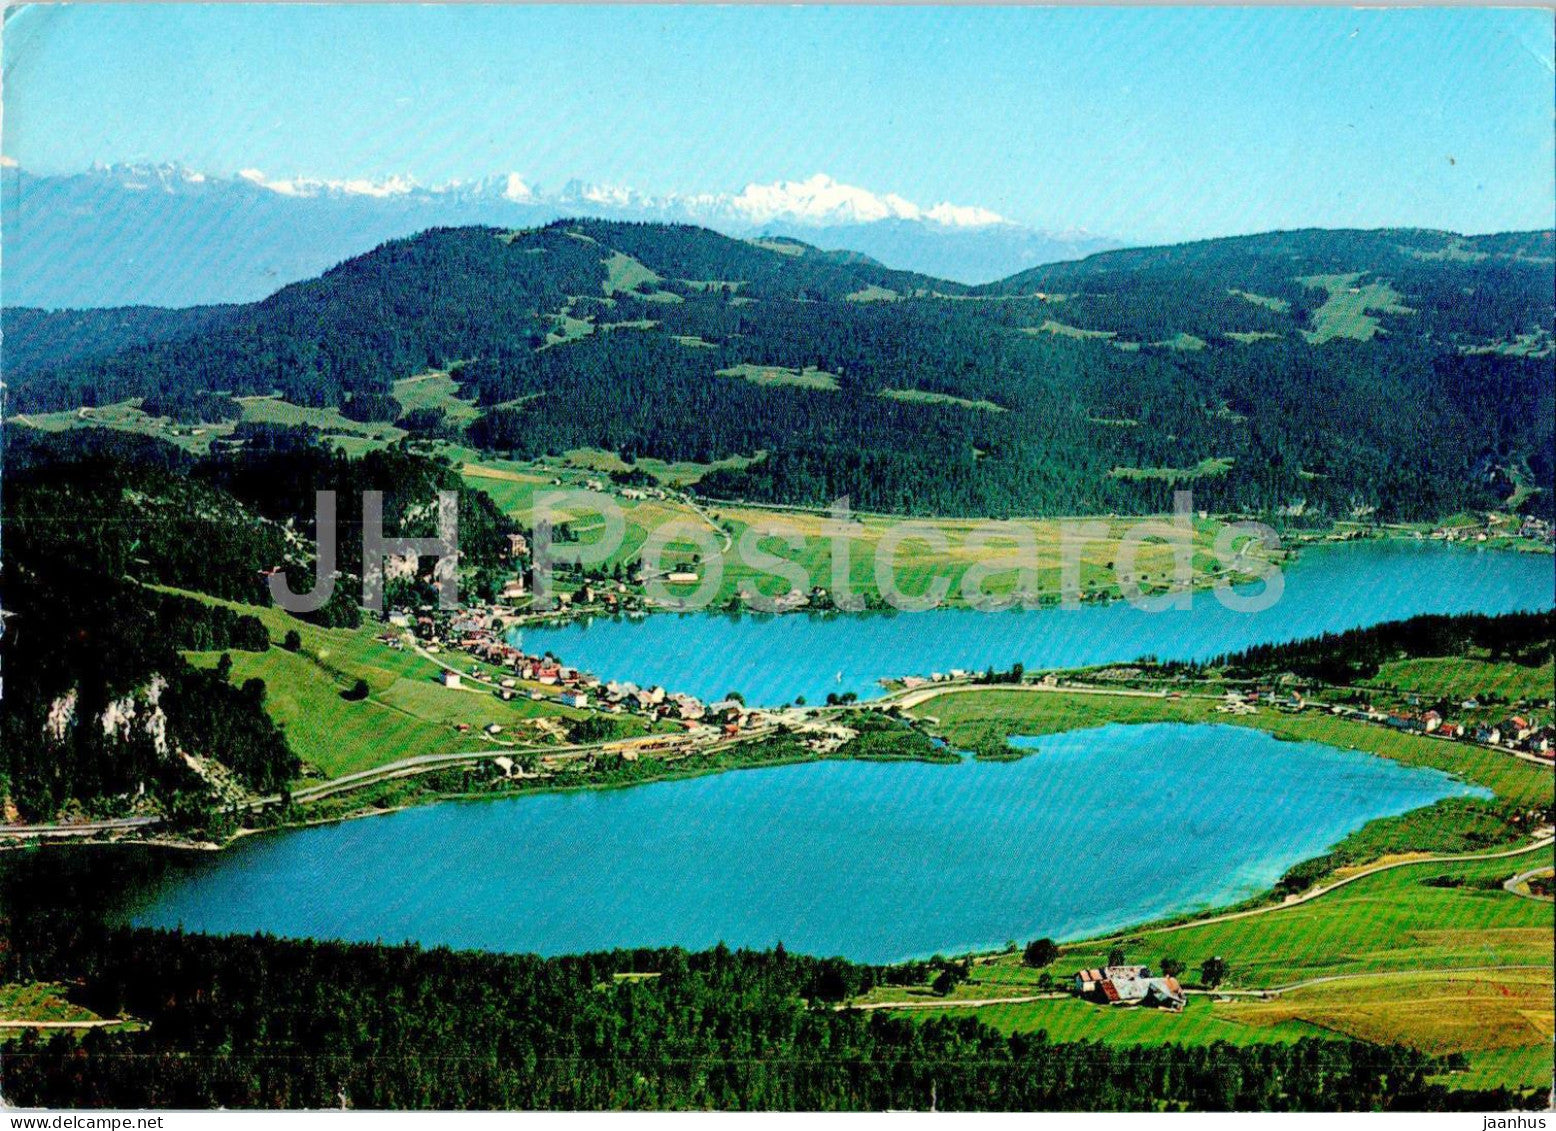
pixel 1544 840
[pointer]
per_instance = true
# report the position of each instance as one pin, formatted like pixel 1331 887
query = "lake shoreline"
pixel 1289 553
pixel 775 659
pixel 1262 897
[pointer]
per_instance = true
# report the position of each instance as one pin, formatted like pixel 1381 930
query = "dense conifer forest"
pixel 1358 653
pixel 99 700
pixel 263 1023
pixel 1316 374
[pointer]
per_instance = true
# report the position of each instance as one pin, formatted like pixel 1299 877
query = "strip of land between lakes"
pixel 1544 839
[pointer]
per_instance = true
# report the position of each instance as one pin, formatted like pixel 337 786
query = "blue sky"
pixel 1137 123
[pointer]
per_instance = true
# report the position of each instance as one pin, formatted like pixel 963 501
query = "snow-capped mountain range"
pixel 817 200
pixel 168 235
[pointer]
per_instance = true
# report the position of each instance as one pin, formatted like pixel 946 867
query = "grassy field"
pixel 682 473
pixel 1062 330
pixel 624 273
pixel 1538 344
pixel 1458 678
pixel 274 410
pixel 126 416
pixel 1408 957
pixel 1278 305
pixel 39 1001
pixel 567 328
pixel 1349 310
pixel 515 487
pixel 920 396
pixel 1500 1019
pixel 1071 1019
pixel 407 712
pixel 435 390
pixel 808 377
pixel 1208 468
pixel 874 292
pixel 1436 1012
pixel 1385 922
pixel 1185 342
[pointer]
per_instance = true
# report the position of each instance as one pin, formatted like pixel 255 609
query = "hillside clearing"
pixel 923 396
pixel 807 378
pixel 1349 311
pixel 1208 468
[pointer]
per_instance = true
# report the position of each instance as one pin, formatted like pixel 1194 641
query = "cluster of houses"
pixel 1498 526
pixel 478 633
pixel 1130 986
pixel 1237 702
pixel 1518 732
pixel 1537 529
pixel 730 714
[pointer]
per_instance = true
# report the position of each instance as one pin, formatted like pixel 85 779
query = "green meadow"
pixel 407 713
pixel 1445 969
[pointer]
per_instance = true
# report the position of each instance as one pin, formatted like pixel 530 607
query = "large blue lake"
pixel 773 659
pixel 875 861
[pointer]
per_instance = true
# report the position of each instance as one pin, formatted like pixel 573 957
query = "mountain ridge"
pixel 166 235
pixel 1267 372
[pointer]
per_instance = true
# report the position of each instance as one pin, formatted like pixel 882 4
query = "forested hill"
pixel 1475 292
pixel 1401 374
pixel 108 537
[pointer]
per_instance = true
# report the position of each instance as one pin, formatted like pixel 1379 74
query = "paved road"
pixel 95 1024
pixel 405 767
pixel 915 696
pixel 1523 878
pixel 85 828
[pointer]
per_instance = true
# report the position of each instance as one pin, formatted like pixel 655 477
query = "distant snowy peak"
pixel 313 186
pixel 817 201
pixel 822 200
pixel 202 237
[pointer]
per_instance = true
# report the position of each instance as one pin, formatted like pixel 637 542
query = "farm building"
pixel 1129 986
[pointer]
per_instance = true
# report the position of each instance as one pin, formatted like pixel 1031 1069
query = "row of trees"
pixel 1045 952
pixel 1358 653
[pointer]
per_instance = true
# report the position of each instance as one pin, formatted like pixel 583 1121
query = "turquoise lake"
pixel 875 861
pixel 773 659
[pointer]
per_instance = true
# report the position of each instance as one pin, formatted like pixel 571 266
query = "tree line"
pixel 258 1022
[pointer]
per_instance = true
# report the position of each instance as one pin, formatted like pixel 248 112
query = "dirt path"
pixel 1433 972
pixel 951 1003
pixel 725 540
